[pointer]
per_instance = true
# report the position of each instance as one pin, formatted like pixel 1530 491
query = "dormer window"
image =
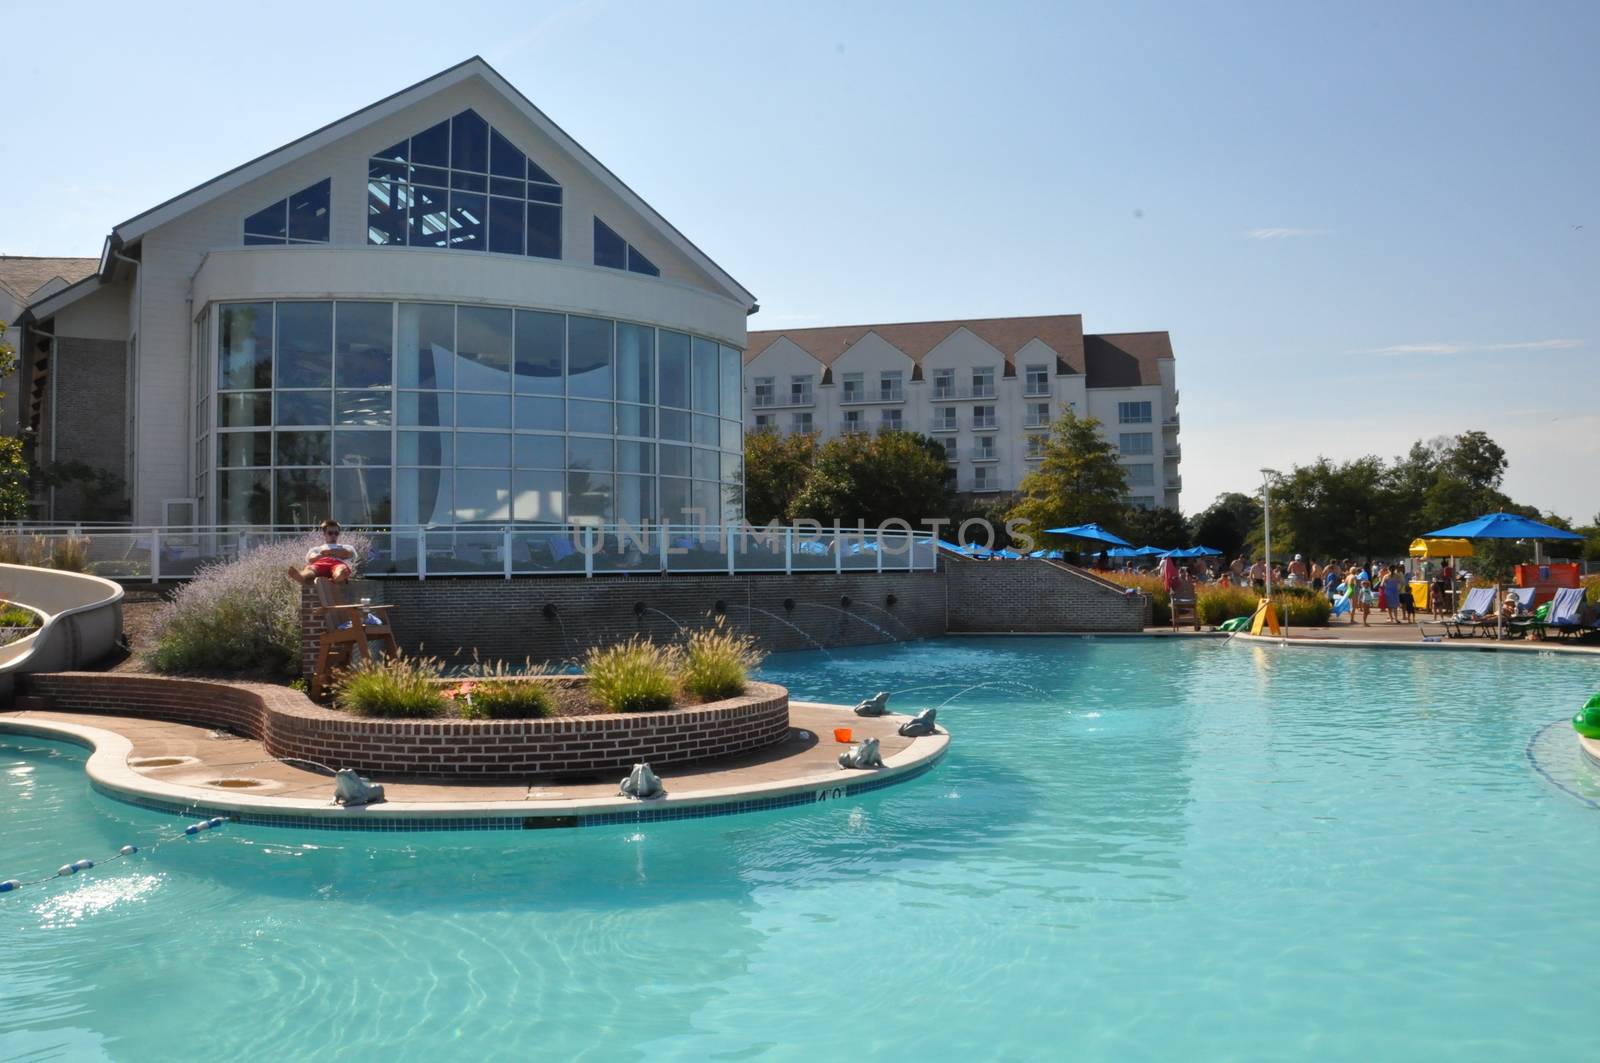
pixel 463 185
pixel 298 219
pixel 613 252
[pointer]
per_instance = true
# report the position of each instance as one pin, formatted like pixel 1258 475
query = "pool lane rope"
pixel 11 885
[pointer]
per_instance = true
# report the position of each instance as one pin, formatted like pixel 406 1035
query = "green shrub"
pixel 1591 588
pixel 632 676
pixel 240 616
pixel 1302 606
pixel 716 663
pixel 70 554
pixel 1150 585
pixel 396 687
pixel 17 615
pixel 504 699
pixel 1216 604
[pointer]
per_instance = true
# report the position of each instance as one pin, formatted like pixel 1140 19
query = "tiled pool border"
pixel 111 778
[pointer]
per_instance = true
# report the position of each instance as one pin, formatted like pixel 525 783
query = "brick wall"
pixel 290 726
pixel 89 378
pixel 506 619
pixel 1036 595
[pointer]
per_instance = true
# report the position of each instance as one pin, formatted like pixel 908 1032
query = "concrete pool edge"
pixel 110 775
pixel 1448 645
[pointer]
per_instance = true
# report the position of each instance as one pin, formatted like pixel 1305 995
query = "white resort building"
pixel 438 310
pixel 987 389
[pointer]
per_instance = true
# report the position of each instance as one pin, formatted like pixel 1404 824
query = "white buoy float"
pixel 64 870
pixel 127 850
pixel 82 865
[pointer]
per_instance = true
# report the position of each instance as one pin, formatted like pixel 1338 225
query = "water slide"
pixel 82 620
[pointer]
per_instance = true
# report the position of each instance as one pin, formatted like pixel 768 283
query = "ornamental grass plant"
pixel 240 616
pixel 393 688
pixel 1215 605
pixel 717 662
pixel 633 676
pixel 1151 586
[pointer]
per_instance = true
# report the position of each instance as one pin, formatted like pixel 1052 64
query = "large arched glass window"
pixel 462 185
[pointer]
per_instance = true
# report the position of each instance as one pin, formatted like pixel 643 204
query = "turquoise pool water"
pixel 1178 850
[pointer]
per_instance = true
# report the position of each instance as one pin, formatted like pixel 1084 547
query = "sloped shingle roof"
pixel 22 275
pixel 1122 359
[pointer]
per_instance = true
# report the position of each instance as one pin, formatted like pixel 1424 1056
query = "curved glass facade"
pixel 384 413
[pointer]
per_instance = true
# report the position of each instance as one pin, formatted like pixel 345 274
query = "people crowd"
pixel 1355 588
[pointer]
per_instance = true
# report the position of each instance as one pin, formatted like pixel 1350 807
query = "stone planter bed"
pixel 290 725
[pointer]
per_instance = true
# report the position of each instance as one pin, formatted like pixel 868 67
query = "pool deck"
pixel 803 769
pixel 1384 635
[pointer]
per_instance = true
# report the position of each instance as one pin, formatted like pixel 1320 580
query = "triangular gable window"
pixel 299 219
pixel 463 185
pixel 613 252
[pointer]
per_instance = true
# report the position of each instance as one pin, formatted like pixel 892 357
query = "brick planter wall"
pixel 289 725
pixel 1036 595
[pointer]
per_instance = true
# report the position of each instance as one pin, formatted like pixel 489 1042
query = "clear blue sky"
pixel 1362 223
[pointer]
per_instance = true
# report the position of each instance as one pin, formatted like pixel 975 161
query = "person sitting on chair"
pixel 331 560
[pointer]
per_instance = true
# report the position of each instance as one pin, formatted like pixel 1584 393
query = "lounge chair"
pixel 1566 616
pixel 348 629
pixel 1477 614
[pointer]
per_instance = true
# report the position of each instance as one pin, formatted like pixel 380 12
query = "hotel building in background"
pixel 987 389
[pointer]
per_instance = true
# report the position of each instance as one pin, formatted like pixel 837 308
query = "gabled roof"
pixel 1125 359
pixel 135 227
pixel 23 275
pixel 1108 360
pixel 1062 333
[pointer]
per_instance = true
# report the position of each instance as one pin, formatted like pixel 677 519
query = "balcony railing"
pixel 950 391
pixel 767 402
pixel 860 396
pixel 982 424
pixel 982 486
pixel 1170 421
pixel 1036 422
pixel 986 455
pixel 944 424
pixel 1034 390
pixel 148 554
pixel 952 454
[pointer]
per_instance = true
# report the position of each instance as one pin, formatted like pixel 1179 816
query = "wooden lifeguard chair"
pixel 349 630
pixel 1184 605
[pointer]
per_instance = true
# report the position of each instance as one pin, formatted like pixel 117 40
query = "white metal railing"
pixel 944 424
pixel 1033 391
pixel 982 423
pixel 155 554
pixel 977 391
pixel 981 454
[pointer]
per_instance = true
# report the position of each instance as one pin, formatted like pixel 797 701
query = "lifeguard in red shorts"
pixel 331 560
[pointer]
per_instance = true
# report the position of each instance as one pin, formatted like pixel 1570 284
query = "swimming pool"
pixel 1134 849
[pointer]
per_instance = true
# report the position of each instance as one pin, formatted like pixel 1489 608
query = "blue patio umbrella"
pixel 1149 551
pixel 1501 526
pixel 1092 532
pixel 1206 551
pixel 1187 551
pixel 1051 555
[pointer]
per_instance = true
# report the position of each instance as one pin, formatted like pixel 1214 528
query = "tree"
pixel 13 470
pixel 1156 527
pixel 1228 523
pixel 872 479
pixel 775 470
pixel 1347 510
pixel 1079 481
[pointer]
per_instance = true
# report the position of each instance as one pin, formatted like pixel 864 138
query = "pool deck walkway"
pixel 1382 634
pixel 179 764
